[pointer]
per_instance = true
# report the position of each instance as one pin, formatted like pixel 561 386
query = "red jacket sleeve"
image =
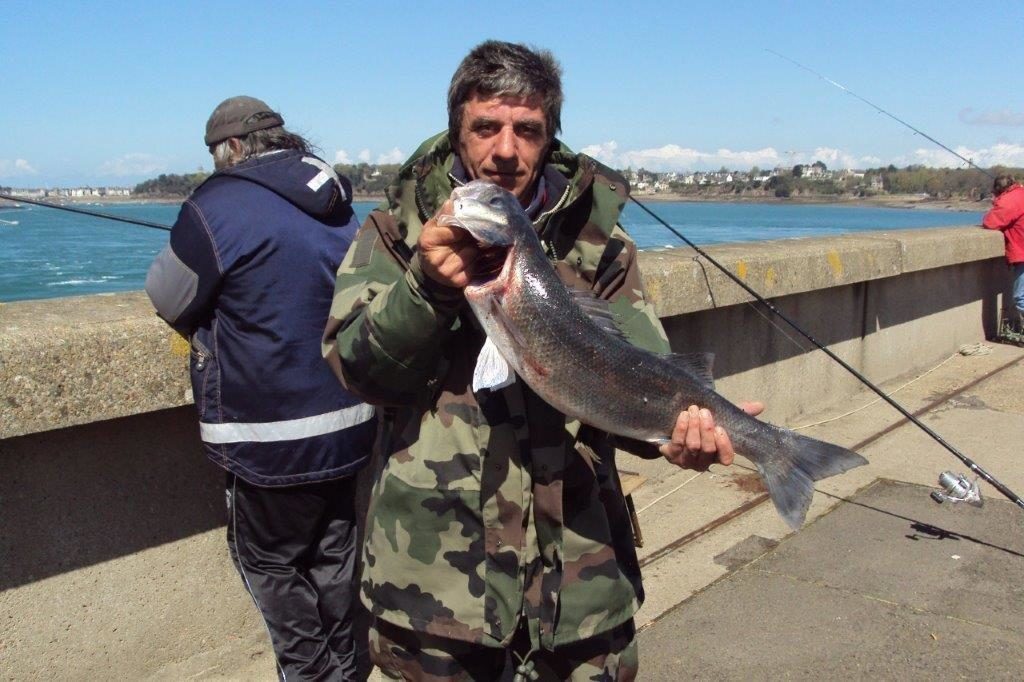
pixel 1002 215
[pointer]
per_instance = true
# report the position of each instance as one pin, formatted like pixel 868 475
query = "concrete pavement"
pixel 881 582
pixel 887 586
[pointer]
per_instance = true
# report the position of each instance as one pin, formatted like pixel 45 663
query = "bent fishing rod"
pixel 968 462
pixel 96 214
pixel 881 111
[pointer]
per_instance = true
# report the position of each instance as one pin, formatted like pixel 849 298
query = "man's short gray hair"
pixel 256 143
pixel 494 69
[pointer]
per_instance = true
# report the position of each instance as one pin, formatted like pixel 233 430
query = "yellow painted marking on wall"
pixel 653 290
pixel 835 262
pixel 741 269
pixel 770 276
pixel 180 346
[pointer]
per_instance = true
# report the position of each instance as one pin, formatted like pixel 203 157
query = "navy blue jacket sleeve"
pixel 185 278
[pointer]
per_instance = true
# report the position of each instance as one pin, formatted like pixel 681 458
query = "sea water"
pixel 51 253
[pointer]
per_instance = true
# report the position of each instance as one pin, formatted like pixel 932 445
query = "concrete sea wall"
pixel 112 556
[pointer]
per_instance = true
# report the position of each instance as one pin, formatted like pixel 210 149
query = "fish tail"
pixel 789 463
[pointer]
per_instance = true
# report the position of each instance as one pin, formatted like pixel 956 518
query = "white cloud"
pixel 837 158
pixel 393 156
pixel 16 168
pixel 1002 117
pixel 605 152
pixel 673 157
pixel 999 154
pixel 133 164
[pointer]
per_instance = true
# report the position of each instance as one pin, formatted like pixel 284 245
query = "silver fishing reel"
pixel 956 488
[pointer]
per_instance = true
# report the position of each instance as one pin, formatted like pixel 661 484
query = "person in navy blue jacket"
pixel 248 278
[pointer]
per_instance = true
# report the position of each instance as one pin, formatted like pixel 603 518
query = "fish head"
pixel 496 220
pixel 488 212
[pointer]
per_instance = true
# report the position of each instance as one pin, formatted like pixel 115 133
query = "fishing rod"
pixel 970 464
pixel 96 214
pixel 880 110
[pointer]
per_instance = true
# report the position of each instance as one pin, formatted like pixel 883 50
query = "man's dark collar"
pixel 550 186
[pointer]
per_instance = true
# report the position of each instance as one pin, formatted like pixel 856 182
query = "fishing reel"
pixel 956 488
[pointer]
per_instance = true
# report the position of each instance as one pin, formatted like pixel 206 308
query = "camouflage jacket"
pixel 483 510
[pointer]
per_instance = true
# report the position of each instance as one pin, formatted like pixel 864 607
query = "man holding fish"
pixel 496 524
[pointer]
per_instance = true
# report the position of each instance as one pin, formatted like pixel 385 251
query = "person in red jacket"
pixel 1007 215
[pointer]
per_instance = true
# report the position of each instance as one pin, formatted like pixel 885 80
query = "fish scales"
pixel 577 366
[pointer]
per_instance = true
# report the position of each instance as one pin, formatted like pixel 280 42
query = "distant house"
pixel 28 193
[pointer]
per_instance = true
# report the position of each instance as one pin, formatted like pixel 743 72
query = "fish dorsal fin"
pixel 697 364
pixel 598 310
pixel 492 370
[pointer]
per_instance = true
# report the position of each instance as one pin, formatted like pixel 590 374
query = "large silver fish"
pixel 565 348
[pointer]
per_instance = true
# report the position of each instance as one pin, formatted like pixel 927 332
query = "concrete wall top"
pixel 82 359
pixel 679 281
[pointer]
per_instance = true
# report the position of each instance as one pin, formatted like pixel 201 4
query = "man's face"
pixel 504 140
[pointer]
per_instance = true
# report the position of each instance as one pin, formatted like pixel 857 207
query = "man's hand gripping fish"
pixel 565 347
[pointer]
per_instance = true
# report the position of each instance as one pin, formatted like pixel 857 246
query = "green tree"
pixel 780 185
pixel 170 184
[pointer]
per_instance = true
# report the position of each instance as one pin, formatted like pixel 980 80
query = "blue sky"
pixel 110 93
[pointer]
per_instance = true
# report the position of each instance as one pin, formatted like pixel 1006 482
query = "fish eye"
pixel 495 201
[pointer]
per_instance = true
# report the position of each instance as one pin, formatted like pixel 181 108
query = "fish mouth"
pixel 490 269
pixel 490 261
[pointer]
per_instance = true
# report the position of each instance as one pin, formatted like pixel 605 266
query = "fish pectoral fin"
pixel 599 312
pixel 492 370
pixel 697 364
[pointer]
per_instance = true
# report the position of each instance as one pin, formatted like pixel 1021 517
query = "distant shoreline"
pixel 895 201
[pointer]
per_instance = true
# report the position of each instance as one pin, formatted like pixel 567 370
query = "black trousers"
pixel 295 548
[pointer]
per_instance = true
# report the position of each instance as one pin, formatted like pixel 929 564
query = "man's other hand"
pixel 697 443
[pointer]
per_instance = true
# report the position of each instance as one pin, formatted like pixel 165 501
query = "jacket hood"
pixel 308 182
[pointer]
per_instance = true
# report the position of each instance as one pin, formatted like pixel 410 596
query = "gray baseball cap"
pixel 239 116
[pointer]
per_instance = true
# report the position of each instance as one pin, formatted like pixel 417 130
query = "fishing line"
pixel 96 214
pixel 880 110
pixel 876 400
pixel 970 464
